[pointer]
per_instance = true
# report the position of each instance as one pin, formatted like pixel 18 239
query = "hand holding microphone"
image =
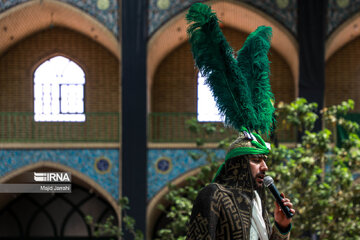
pixel 289 213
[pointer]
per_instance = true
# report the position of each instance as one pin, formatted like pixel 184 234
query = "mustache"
pixel 260 175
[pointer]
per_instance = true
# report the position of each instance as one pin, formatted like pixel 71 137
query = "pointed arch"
pixel 237 15
pixel 344 34
pixel 77 177
pixel 34 16
pixel 59 91
pixel 152 212
pixel 53 215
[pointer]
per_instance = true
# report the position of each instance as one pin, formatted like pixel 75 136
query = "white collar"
pixel 258 226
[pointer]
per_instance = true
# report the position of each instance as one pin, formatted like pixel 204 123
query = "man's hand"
pixel 279 215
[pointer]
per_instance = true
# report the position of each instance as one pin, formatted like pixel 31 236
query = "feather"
pixel 254 64
pixel 215 60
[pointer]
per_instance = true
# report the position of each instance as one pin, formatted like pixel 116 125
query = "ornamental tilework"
pixel 284 11
pixel 181 163
pixel 82 160
pixel 339 11
pixel 159 16
pixel 105 11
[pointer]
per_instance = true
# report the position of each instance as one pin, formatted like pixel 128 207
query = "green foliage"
pixel 315 174
pixel 298 114
pixel 318 176
pixel 109 228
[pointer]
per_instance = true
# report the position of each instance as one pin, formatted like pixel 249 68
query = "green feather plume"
pixel 240 86
pixel 254 64
pixel 214 58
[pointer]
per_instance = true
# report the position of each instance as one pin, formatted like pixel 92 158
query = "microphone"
pixel 269 183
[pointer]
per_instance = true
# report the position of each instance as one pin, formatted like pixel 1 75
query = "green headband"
pixel 259 148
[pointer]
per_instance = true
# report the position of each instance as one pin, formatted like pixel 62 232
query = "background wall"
pixel 18 64
pixel 343 75
pixel 175 82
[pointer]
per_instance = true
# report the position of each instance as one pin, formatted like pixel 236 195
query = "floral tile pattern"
pixel 105 11
pixel 284 11
pixel 339 11
pixel 82 160
pixel 181 163
pixel 160 11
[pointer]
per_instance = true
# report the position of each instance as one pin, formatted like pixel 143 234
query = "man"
pixel 233 206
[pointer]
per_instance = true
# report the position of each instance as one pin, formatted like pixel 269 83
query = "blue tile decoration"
pixel 105 11
pixel 158 16
pixel 339 11
pixel 102 165
pixel 161 11
pixel 181 163
pixel 163 165
pixel 284 11
pixel 81 160
pixel 4 5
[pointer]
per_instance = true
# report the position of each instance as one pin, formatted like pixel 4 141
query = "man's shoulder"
pixel 209 201
pixel 212 190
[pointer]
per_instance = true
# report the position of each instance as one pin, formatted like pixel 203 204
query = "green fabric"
pixel 240 87
pixel 258 148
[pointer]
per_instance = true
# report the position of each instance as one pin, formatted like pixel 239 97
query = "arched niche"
pixel 345 33
pixel 342 79
pixel 341 70
pixel 153 213
pixel 236 15
pixel 174 87
pixel 33 16
pixel 17 176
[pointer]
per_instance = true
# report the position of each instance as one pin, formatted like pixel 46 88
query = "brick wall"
pixel 174 88
pixel 342 75
pixel 18 63
pixel 17 66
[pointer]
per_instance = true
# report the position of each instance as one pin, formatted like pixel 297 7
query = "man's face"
pixel 258 169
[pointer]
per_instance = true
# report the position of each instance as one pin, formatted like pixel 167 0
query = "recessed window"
pixel 206 107
pixel 59 91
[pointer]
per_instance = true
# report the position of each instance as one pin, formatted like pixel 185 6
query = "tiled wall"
pixel 339 11
pixel 81 160
pixel 105 11
pixel 161 11
pixel 165 165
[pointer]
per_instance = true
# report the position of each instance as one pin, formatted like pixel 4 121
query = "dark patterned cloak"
pixel 223 209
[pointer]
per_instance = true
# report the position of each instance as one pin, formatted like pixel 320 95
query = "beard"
pixel 258 182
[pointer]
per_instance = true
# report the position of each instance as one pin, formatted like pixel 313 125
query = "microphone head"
pixel 268 181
